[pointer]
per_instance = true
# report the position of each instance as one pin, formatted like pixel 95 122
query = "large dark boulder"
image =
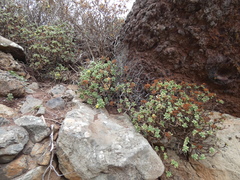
pixel 186 40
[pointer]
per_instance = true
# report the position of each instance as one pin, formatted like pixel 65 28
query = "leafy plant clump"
pixel 174 116
pixel 10 97
pixel 100 85
pixel 52 50
pixel 49 48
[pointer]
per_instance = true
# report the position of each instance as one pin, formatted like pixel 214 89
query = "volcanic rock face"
pixel 187 40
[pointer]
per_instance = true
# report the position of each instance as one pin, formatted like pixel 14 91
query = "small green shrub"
pixel 176 111
pixel 11 21
pixel 52 45
pixel 10 97
pixel 174 117
pixel 100 85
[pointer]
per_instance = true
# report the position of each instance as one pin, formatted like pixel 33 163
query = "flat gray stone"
pixel 41 111
pixel 57 90
pixel 35 126
pixel 33 86
pixel 56 103
pixel 30 104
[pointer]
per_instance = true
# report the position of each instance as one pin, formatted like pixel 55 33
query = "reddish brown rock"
pixel 187 40
pixel 41 151
pixel 16 167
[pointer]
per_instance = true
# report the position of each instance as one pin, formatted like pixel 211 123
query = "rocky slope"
pixel 46 132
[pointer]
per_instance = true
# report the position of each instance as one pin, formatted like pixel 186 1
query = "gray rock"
pixel 94 145
pixel 56 103
pixel 8 46
pixel 30 88
pixel 225 164
pixel 35 126
pixel 3 121
pixel 69 95
pixel 57 90
pixel 10 84
pixel 41 111
pixel 30 104
pixel 12 141
pixel 41 151
pixel 33 86
pixel 30 91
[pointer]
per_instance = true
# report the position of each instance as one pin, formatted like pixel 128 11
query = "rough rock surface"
pixel 41 111
pixel 93 145
pixel 56 103
pixel 57 90
pixel 30 88
pixel 10 84
pixel 8 46
pixel 69 95
pixel 36 127
pixel 188 40
pixel 15 168
pixel 34 174
pixel 42 153
pixel 12 142
pixel 4 121
pixel 30 104
pixel 226 162
pixel 6 111
pixel 224 165
pixel 7 63
pixel 33 86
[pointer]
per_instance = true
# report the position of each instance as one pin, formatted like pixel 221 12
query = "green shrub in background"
pixel 49 48
pixel 13 24
pixel 171 115
pixel 54 34
pixel 101 85
pixel 52 50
